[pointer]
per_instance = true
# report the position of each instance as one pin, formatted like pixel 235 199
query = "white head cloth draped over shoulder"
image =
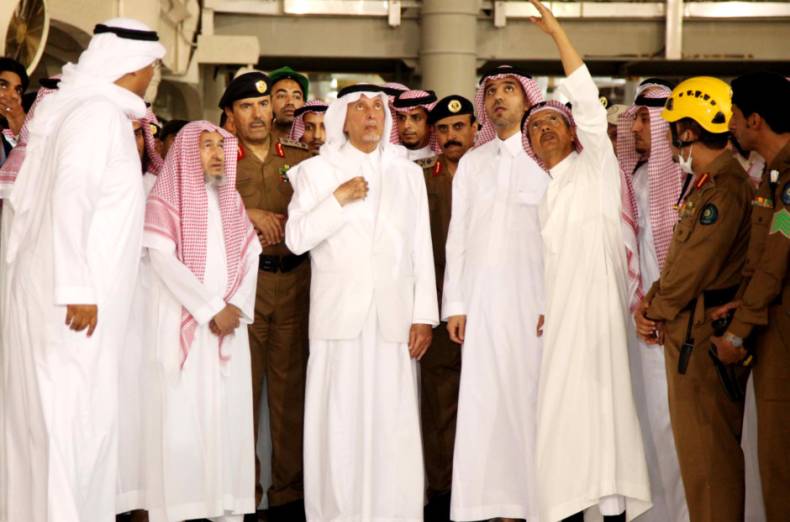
pixel 107 58
pixel 628 213
pixel 176 215
pixel 665 178
pixel 12 165
pixel 335 121
pixel 532 92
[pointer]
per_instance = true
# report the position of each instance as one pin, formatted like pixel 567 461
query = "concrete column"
pixel 448 49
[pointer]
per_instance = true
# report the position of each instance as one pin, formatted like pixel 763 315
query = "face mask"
pixel 685 164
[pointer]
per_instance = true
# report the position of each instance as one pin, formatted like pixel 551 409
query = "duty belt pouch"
pixel 688 344
pixel 727 374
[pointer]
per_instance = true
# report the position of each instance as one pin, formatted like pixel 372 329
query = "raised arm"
pixel 549 25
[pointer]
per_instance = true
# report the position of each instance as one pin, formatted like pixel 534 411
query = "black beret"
pixel 453 105
pixel 248 85
pixel 9 64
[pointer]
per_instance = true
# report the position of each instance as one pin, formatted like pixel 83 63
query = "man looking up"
pixel 589 442
pixel 492 296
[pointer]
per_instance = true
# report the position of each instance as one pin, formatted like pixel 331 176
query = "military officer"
pixel 702 272
pixel 452 121
pixel 761 122
pixel 289 93
pixel 278 336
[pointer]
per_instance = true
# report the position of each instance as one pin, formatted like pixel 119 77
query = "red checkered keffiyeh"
pixel 411 95
pixel 153 161
pixel 487 131
pixel 297 127
pixel 399 87
pixel 628 212
pixel 665 178
pixel 177 210
pixel 10 169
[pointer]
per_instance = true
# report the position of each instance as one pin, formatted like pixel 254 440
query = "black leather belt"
pixel 280 263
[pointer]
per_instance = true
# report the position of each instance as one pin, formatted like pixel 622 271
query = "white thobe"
pixel 131 406
pixel 589 448
pixel 494 276
pixel 200 454
pixel 421 153
pixel 82 247
pixel 649 378
pixel 362 447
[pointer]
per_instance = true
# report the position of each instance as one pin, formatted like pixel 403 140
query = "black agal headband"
pixel 128 34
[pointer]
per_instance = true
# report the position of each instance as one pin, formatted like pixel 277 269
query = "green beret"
pixel 248 85
pixel 286 73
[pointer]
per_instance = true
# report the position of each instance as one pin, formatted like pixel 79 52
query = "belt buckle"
pixel 269 264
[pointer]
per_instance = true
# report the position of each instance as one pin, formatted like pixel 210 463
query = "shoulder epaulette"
pixel 426 163
pixel 288 142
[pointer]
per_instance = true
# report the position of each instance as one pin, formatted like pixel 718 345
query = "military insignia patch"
pixel 781 223
pixel 454 106
pixel 709 214
pixel 153 128
pixel 284 173
pixel 260 86
pixel 786 194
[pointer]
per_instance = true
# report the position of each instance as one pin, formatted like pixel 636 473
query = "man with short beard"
pixel 492 296
pixel 278 337
pixel 289 92
pixel 372 308
pixel 204 257
pixel 414 132
pixel 308 126
pixel 452 121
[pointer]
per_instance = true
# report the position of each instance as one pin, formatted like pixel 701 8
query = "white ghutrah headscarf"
pixel 665 179
pixel 532 92
pixel 335 121
pixel 176 216
pixel 108 57
pixel 628 215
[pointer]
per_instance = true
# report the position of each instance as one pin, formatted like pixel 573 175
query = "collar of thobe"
pixel 359 157
pixel 512 146
pixel 563 166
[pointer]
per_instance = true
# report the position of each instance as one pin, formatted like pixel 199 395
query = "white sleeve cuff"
pixel 69 295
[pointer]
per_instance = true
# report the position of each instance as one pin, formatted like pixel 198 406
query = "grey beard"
pixel 214 181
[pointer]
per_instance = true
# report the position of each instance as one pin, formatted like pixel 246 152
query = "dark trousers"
pixel 278 350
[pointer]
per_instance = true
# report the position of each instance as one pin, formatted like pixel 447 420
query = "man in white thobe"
pixel 71 262
pixel 589 443
pixel 644 154
pixel 204 256
pixel 493 295
pixel 131 400
pixel 361 209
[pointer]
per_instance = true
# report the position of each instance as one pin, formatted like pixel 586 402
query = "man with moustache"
pixel 278 336
pixel 308 126
pixel 452 121
pixel 361 210
pixel 492 297
pixel 289 92
pixel 414 132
